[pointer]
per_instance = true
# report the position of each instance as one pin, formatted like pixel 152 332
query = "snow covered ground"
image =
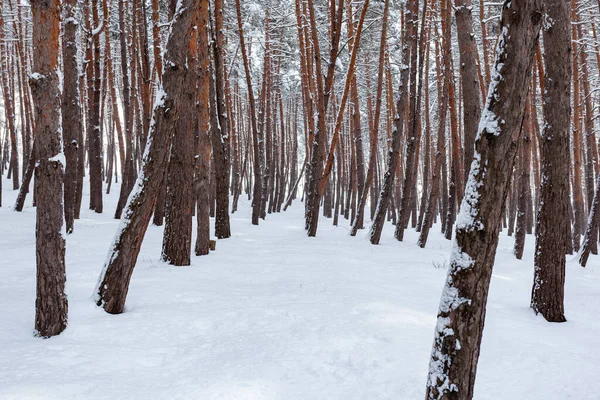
pixel 273 314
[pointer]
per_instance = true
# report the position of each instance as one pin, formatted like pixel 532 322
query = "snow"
pixel 98 29
pixel 469 207
pixel 273 314
pixel 60 157
pixel 36 76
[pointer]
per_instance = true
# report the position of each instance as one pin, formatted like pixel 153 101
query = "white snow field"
pixel 273 314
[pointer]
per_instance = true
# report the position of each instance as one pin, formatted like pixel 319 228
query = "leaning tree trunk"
pixel 394 151
pixel 461 315
pixel 413 134
pixel 51 301
pixel 176 90
pixel 469 68
pixel 128 172
pixel 591 232
pixel 313 197
pixel 440 155
pixel 547 295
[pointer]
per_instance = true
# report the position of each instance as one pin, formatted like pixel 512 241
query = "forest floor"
pixel 273 314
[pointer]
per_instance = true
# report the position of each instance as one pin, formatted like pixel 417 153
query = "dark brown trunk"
pixel 461 315
pixel 71 110
pixel 51 301
pixel 94 135
pixel 175 94
pixel 547 295
pixel 220 136
pixel 128 173
pixel 203 148
pixel 524 177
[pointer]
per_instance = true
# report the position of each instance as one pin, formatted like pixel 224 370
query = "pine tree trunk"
pixel 258 154
pixel 175 94
pixel 177 238
pixel 51 301
pixel 461 315
pixel 414 107
pixel 71 110
pixel 440 158
pixel 94 135
pixel 394 151
pixel 203 132
pixel 128 173
pixel 470 81
pixel 524 183
pixel 220 137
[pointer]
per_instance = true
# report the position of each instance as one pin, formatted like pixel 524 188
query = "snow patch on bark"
pixel 444 337
pixel 489 122
pixel 60 157
pixel 36 76
pixel 469 208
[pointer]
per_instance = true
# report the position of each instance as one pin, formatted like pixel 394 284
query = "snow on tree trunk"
pixel 461 315
pixel 176 89
pixel 51 301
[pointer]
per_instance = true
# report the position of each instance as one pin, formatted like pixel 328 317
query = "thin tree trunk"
pixel 394 151
pixel 71 110
pixel 524 182
pixel 220 136
pixel 128 173
pixel 258 154
pixel 94 135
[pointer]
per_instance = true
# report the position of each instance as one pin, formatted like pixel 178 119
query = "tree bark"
pixel 71 110
pixel 172 97
pixel 461 315
pixel 394 151
pixel 128 173
pixel 524 178
pixel 203 149
pixel 95 135
pixel 220 136
pixel 51 301
pixel 258 154
pixel 547 295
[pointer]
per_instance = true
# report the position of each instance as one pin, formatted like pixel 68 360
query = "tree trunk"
pixel 94 135
pixel 258 154
pixel 172 97
pixel 470 82
pixel 524 183
pixel 547 295
pixel 128 173
pixel 394 151
pixel 51 301
pixel 71 110
pixel 461 315
pixel 203 121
